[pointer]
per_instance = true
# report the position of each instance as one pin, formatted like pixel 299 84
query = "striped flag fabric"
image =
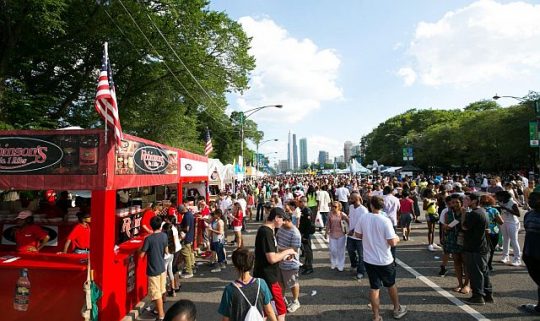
pixel 105 103
pixel 208 148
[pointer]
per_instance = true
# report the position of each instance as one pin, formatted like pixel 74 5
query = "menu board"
pixel 144 159
pixel 49 154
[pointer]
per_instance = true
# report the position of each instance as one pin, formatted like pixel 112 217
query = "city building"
pixel 323 157
pixel 356 150
pixel 292 152
pixel 303 152
pixel 339 159
pixel 283 166
pixel 347 149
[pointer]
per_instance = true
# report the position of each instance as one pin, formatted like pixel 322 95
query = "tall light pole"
pixel 260 144
pixel 532 97
pixel 245 115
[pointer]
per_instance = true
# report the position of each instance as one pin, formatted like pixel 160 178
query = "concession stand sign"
pixel 49 154
pixel 143 159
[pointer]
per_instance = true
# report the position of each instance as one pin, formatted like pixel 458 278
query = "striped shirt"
pixel 289 238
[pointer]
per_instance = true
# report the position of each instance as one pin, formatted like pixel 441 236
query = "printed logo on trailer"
pixel 26 154
pixel 151 159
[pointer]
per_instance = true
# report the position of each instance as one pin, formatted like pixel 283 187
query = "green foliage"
pixel 51 52
pixel 483 136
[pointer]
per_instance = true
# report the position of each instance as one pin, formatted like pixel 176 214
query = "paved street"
pixel 333 295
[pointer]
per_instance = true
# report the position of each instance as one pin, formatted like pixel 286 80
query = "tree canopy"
pixel 173 61
pixel 481 137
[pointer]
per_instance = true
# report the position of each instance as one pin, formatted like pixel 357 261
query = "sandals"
pixel 465 290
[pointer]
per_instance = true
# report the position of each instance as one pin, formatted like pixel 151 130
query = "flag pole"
pixel 106 53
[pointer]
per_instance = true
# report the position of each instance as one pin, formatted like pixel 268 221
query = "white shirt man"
pixel 342 194
pixel 391 205
pixel 355 213
pixel 323 199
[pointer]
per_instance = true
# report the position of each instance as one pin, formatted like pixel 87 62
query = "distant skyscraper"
pixel 290 152
pixel 347 151
pixel 323 157
pixel 303 152
pixel 295 153
pixel 283 166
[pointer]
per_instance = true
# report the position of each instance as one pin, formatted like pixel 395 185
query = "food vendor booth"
pixel 81 160
pixel 193 181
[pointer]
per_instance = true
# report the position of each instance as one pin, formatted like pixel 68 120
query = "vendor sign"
pixel 49 154
pixel 144 159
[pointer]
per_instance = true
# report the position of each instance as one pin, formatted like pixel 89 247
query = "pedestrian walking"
pixel 531 251
pixel 267 258
pixel 337 236
pixel 378 236
pixel 154 246
pixel 288 237
pixel 475 248
pixel 307 228
pixel 354 244
pixel 510 228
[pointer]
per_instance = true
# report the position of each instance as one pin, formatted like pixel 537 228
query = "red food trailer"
pixel 67 160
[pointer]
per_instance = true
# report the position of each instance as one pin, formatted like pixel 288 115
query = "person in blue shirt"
pixel 188 228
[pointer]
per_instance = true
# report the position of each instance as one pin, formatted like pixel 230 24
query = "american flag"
pixel 209 148
pixel 105 103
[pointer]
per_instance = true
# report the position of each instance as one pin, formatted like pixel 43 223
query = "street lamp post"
pixel 260 144
pixel 245 115
pixel 532 97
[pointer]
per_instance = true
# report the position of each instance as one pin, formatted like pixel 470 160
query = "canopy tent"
pixel 390 170
pixel 355 167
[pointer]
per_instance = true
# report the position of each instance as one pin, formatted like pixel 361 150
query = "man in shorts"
pixel 288 237
pixel 267 258
pixel 155 245
pixel 378 236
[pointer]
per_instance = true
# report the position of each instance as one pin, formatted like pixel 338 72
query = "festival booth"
pixel 215 178
pixel 82 160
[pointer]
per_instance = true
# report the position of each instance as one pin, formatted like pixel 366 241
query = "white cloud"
pixel 293 72
pixel 408 75
pixel 485 41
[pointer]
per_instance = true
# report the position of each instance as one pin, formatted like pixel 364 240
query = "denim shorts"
pixel 380 275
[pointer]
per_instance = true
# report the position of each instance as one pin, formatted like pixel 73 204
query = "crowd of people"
pixel 474 215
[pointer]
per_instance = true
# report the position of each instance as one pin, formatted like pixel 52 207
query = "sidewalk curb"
pixel 137 310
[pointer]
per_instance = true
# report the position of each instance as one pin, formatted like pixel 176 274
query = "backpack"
pixel 253 313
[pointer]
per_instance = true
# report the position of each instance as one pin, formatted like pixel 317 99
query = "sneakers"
pixel 435 246
pixel 505 259
pixel 475 300
pixel 516 262
pixel 187 276
pixel 307 271
pixel 401 312
pixel 431 248
pixel 293 306
pixel 359 276
pixel 488 298
pixel 216 270
pixel 443 271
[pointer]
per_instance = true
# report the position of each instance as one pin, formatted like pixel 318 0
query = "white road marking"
pixel 472 312
pixel 319 242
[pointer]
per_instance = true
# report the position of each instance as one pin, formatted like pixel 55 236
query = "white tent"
pixel 355 167
pixel 390 170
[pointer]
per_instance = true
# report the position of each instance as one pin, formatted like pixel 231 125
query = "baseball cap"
pixel 24 214
pixel 276 211
pixel 182 209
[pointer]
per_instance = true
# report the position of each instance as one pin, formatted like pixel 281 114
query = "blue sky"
pixel 342 67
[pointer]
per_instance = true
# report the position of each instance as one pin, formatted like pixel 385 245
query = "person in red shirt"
pixel 406 214
pixel 79 238
pixel 145 221
pixel 202 225
pixel 237 218
pixel 28 236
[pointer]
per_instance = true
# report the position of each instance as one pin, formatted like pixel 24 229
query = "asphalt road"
pixel 331 295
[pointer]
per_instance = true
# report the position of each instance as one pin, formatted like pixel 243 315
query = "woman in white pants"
pixel 337 236
pixel 510 228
